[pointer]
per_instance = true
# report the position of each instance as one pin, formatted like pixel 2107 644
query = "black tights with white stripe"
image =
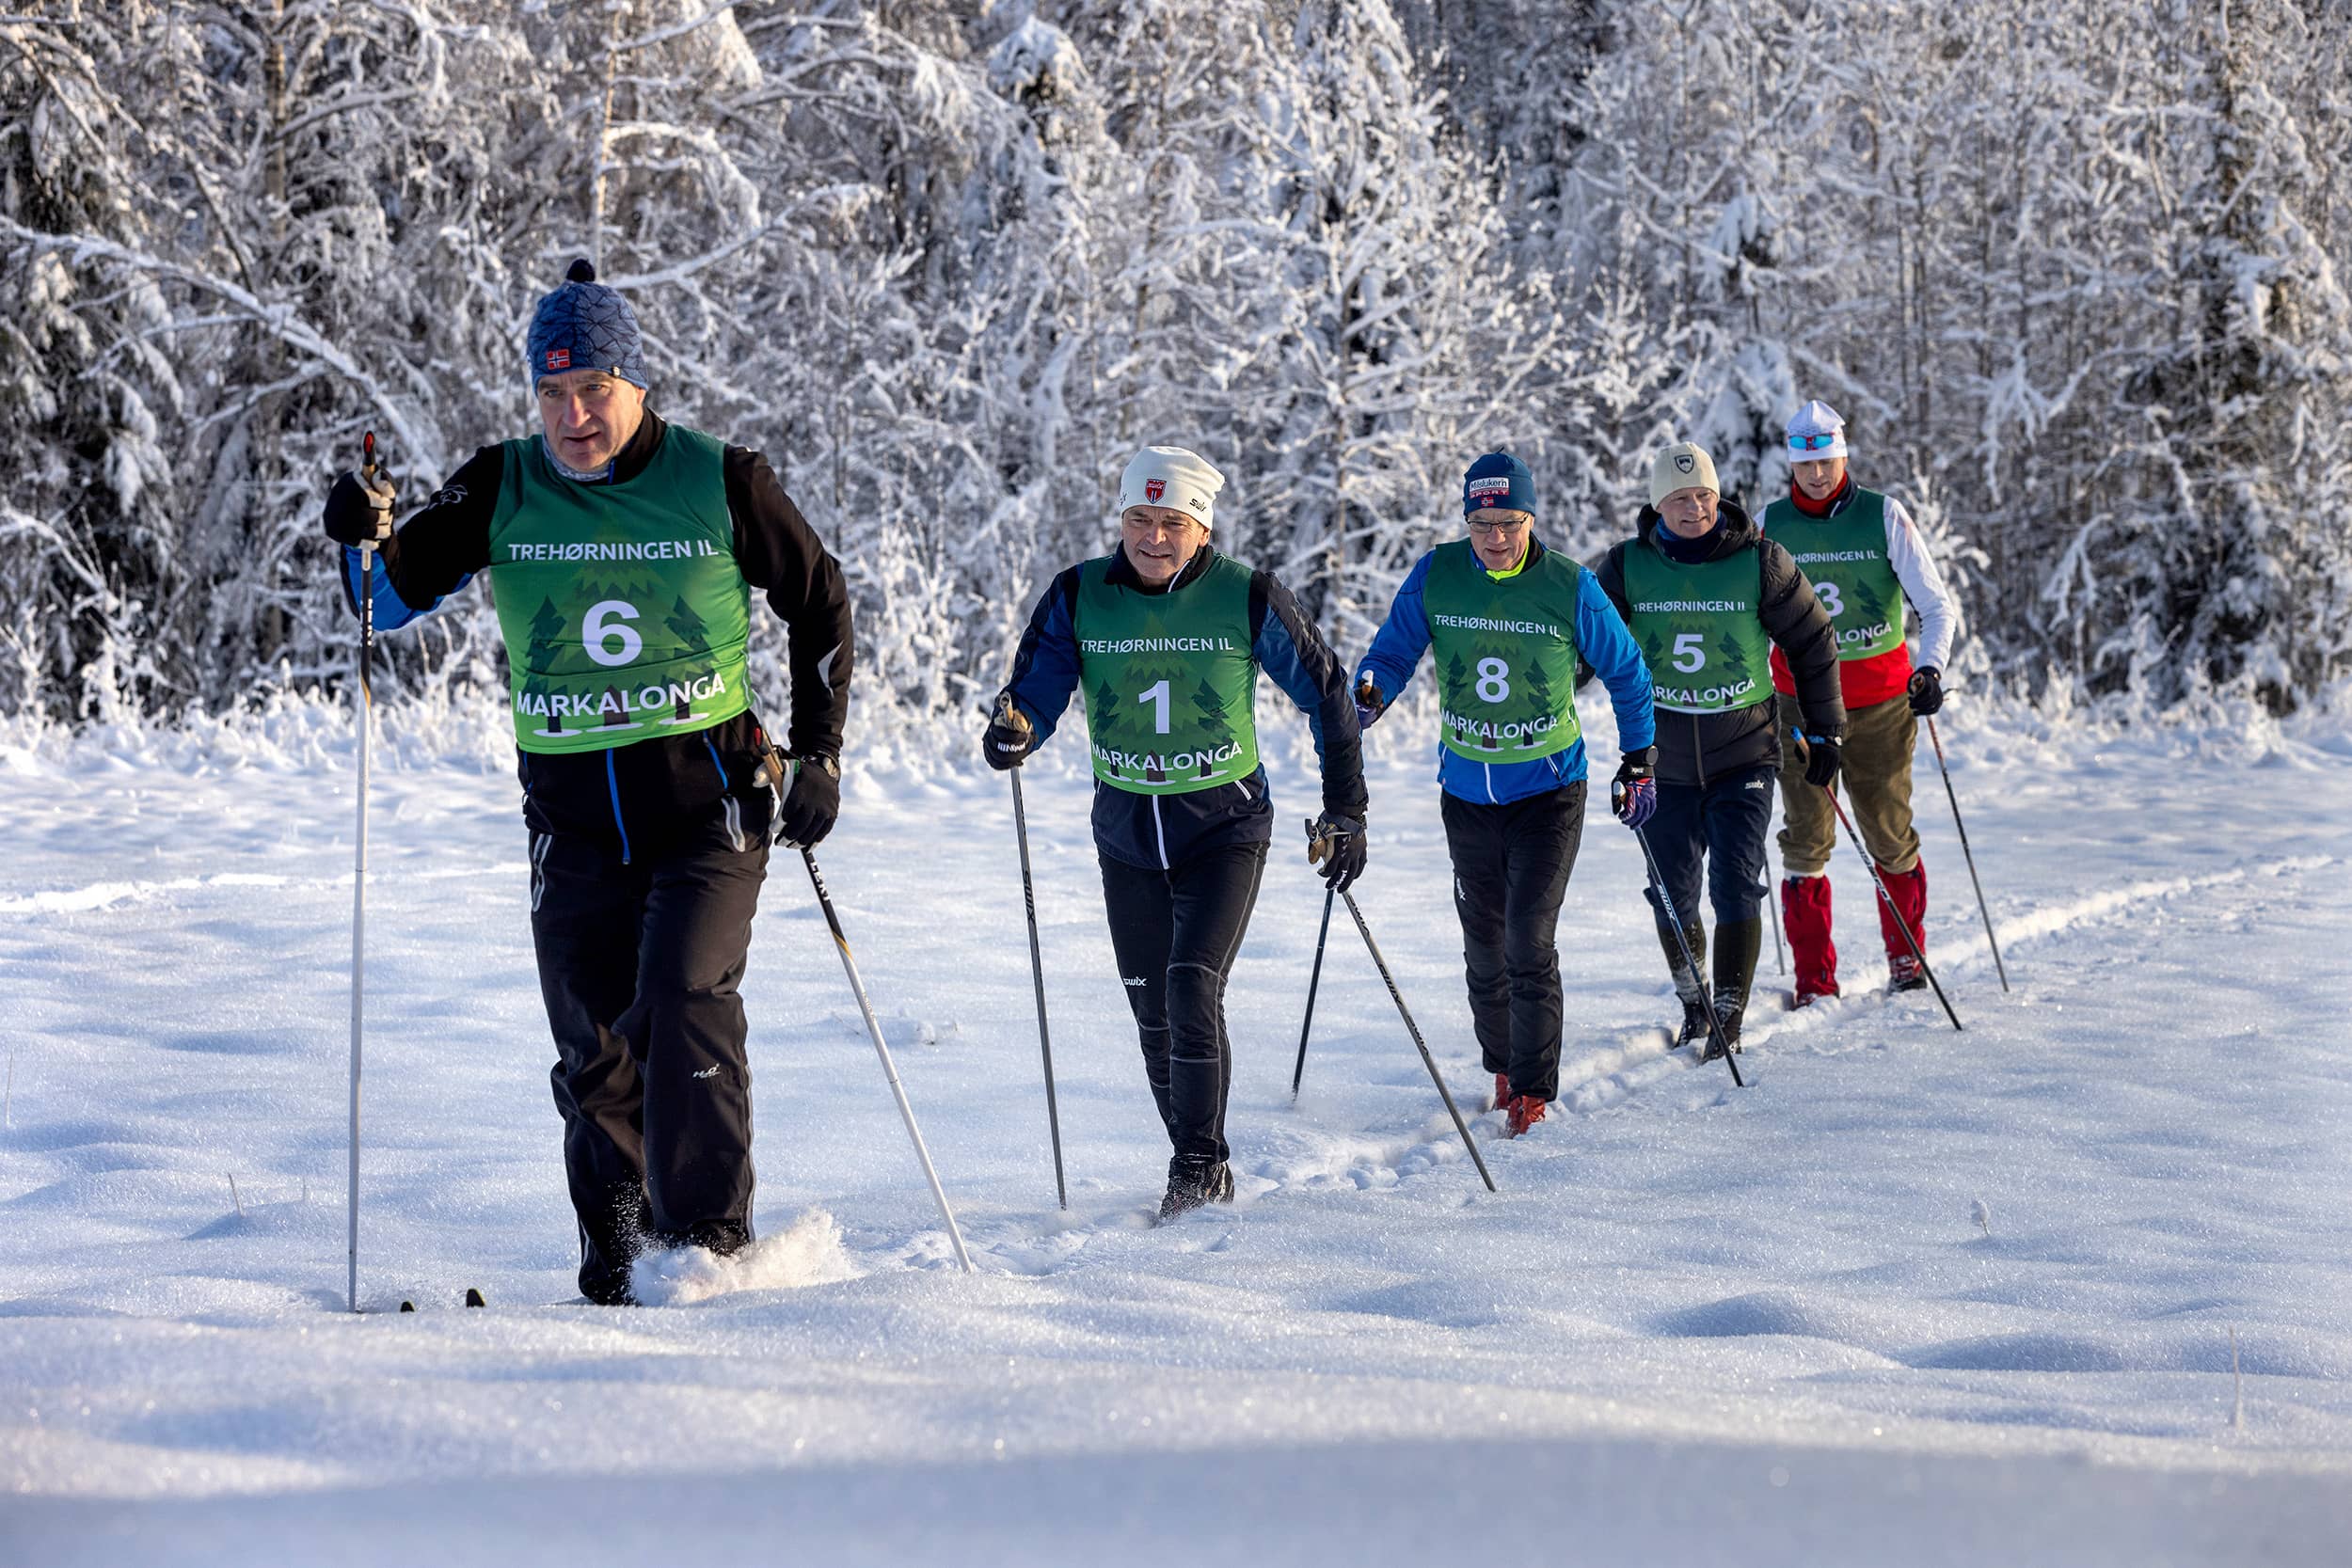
pixel 1176 933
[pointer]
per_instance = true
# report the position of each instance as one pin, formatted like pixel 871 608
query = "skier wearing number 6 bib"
pixel 1164 639
pixel 1708 597
pixel 1864 556
pixel 1506 620
pixel 623 550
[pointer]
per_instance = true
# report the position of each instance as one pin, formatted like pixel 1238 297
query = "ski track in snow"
pixel 1905 1265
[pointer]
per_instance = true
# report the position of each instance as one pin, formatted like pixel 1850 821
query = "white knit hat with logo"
pixel 1684 466
pixel 1170 476
pixel 1817 434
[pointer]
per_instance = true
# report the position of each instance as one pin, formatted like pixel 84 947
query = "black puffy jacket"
pixel 1694 747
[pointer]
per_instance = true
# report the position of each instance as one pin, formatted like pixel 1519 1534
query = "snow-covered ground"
pixel 1913 1296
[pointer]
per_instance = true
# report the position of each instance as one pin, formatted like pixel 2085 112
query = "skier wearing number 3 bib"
pixel 1164 640
pixel 1864 556
pixel 623 550
pixel 1506 620
pixel 1708 598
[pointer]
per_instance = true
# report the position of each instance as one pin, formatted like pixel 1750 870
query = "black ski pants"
pixel 1511 867
pixel 639 960
pixel 1176 932
pixel 1713 833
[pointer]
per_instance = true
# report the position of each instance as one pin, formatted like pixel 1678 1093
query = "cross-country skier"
pixel 1166 636
pixel 1862 555
pixel 623 550
pixel 1505 621
pixel 1708 597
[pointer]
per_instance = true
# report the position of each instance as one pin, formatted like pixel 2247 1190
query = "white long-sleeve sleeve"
pixel 1939 615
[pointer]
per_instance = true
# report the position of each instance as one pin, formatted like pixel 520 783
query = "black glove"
pixel 1927 690
pixel 358 511
pixel 811 806
pixel 1370 704
pixel 1822 754
pixel 1338 844
pixel 1634 795
pixel 1010 736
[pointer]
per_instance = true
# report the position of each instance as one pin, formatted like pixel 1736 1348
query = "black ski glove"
pixel 1634 795
pixel 1926 691
pixel 1370 704
pixel 1821 755
pixel 358 513
pixel 811 805
pixel 1336 842
pixel 1009 738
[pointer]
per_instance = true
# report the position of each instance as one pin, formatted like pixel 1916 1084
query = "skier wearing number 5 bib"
pixel 623 550
pixel 1708 599
pixel 1864 556
pixel 1505 621
pixel 1164 639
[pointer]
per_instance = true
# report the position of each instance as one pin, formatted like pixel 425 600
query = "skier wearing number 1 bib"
pixel 1505 621
pixel 1864 557
pixel 1164 639
pixel 1708 597
pixel 623 550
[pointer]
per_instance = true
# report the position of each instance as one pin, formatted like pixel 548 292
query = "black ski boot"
pixel 1192 1182
pixel 1736 945
pixel 1687 984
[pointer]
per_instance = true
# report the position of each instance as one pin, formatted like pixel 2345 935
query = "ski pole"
pixel 1315 979
pixel 360 871
pixel 1037 976
pixel 1771 904
pixel 1666 902
pixel 1904 926
pixel 890 1070
pixel 1968 854
pixel 1411 1028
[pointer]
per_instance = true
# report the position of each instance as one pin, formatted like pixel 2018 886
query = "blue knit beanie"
pixel 1499 481
pixel 585 326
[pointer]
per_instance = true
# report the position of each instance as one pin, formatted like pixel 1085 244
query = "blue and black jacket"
pixel 1159 830
pixel 1601 642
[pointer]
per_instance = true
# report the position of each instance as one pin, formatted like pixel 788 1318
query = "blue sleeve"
pixel 1603 641
pixel 390 611
pixel 1402 637
pixel 1046 666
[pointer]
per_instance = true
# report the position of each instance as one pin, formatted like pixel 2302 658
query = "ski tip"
pixel 473 1297
pixel 409 1306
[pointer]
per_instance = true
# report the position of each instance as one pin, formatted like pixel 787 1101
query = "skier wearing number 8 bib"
pixel 1708 597
pixel 1864 556
pixel 1505 621
pixel 1164 639
pixel 623 550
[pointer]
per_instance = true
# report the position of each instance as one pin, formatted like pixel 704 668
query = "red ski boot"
pixel 1526 1111
pixel 1910 891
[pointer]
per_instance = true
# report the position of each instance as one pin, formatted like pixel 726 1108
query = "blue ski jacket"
pixel 1602 642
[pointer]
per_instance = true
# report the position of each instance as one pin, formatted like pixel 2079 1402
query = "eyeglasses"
pixel 1815 443
pixel 1503 530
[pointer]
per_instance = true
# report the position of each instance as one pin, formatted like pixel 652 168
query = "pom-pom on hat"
pixel 1817 434
pixel 1501 482
pixel 1684 466
pixel 1170 476
pixel 584 325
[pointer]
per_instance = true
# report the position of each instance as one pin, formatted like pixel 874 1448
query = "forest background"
pixel 2070 268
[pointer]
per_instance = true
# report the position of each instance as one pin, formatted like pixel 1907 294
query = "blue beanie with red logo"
pixel 1498 480
pixel 585 326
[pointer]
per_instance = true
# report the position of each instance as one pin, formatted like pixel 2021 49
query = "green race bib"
pixel 624 611
pixel 1845 559
pixel 1169 681
pixel 1505 655
pixel 1697 627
